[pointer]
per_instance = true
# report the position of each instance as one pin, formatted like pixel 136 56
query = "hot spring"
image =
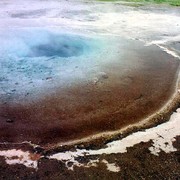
pixel 57 86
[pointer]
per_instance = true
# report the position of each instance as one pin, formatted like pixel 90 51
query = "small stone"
pixel 9 121
pixel 95 80
pixel 27 94
pixel 102 75
pixel 38 149
pixel 48 78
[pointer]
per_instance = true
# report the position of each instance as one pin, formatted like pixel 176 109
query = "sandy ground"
pixel 131 74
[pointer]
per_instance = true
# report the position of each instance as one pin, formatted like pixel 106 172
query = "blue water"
pixel 38 43
pixel 30 56
pixel 59 45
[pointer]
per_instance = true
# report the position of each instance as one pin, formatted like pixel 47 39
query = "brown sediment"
pixel 137 86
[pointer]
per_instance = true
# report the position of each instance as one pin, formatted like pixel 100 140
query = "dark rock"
pixel 9 121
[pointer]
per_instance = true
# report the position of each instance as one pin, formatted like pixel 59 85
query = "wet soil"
pixel 137 163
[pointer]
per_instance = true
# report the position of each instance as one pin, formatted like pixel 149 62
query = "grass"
pixel 170 2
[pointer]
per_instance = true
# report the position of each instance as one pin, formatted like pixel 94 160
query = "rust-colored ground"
pixel 137 163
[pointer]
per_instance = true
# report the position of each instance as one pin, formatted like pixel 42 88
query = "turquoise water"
pixel 30 56
pixel 39 43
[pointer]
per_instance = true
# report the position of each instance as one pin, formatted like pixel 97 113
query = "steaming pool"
pixel 69 75
pixel 58 86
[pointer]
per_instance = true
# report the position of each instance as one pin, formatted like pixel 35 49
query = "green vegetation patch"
pixel 170 2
